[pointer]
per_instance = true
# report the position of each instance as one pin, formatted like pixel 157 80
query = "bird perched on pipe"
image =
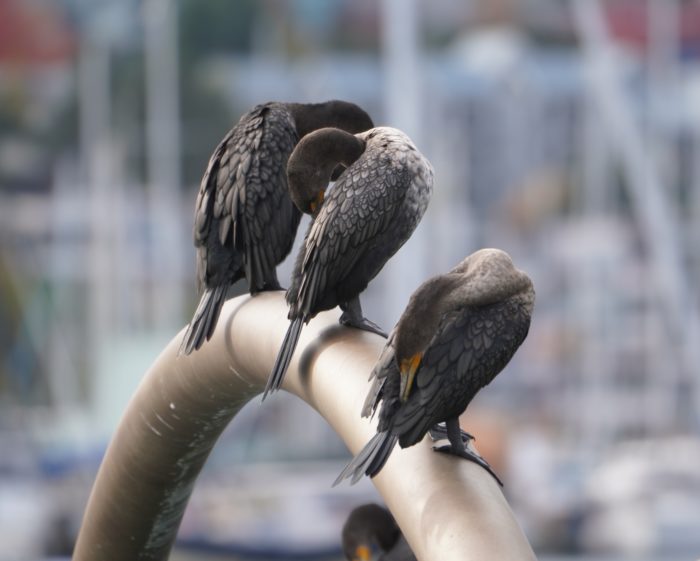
pixel 370 212
pixel 457 333
pixel 244 221
pixel 371 534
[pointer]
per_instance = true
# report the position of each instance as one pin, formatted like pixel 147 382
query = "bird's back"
pixel 472 345
pixel 244 216
pixel 367 216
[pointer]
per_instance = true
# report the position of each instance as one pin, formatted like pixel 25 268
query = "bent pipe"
pixel 447 508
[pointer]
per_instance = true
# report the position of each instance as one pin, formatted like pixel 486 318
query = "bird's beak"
pixel 317 202
pixel 363 553
pixel 408 368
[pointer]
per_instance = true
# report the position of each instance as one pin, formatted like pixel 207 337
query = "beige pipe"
pixel 448 509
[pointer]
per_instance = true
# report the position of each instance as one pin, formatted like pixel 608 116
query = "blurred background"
pixel 566 132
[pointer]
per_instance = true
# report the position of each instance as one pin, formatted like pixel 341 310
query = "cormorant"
pixel 244 221
pixel 370 212
pixel 370 533
pixel 457 333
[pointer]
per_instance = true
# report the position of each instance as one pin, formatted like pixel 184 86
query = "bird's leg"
pixel 352 317
pixel 271 282
pixel 457 447
pixel 439 432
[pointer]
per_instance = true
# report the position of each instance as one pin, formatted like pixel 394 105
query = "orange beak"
pixel 408 368
pixel 317 202
pixel 362 553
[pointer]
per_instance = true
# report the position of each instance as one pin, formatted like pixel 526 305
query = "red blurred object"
pixel 627 20
pixel 33 33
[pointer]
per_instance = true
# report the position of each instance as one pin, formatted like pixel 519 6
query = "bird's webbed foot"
pixel 458 447
pixel 352 317
pixel 362 323
pixel 439 432
pixel 470 455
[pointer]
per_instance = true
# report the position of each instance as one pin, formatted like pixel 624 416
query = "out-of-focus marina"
pixel 564 132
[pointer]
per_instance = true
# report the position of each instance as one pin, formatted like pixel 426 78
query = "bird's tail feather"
pixel 373 397
pixel 203 323
pixel 284 356
pixel 371 458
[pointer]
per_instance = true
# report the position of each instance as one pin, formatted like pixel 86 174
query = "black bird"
pixel 370 533
pixel 367 216
pixel 457 333
pixel 244 221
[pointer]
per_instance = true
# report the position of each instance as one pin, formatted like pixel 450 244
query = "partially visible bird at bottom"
pixel 244 220
pixel 373 208
pixel 457 333
pixel 371 534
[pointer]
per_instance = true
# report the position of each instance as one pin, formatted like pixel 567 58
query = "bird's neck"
pixel 313 116
pixel 327 147
pixel 312 162
pixel 423 314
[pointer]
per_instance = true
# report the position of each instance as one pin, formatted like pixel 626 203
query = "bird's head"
pixel 485 277
pixel 418 325
pixel 369 531
pixel 307 187
pixel 312 164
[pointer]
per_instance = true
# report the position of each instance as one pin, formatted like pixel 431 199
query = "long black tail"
pixel 284 356
pixel 371 458
pixel 203 323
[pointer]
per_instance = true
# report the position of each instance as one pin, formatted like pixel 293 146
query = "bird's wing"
pixel 385 364
pixel 353 223
pixel 449 375
pixel 267 219
pixel 222 186
pixel 241 201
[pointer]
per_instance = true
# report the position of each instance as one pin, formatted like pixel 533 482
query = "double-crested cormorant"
pixel 366 217
pixel 457 333
pixel 244 221
pixel 371 534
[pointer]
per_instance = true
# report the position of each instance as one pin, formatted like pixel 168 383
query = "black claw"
pixel 352 317
pixel 362 323
pixel 468 455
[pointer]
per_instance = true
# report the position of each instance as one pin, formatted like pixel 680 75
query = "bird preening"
pixel 372 210
pixel 244 221
pixel 457 333
pixel 459 329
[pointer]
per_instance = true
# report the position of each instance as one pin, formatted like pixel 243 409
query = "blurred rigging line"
pixel 664 78
pixel 163 154
pixel 658 221
pixel 402 103
pixel 94 107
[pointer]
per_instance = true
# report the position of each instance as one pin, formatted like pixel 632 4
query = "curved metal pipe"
pixel 448 509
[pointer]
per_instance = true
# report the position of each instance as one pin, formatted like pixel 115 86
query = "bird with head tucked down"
pixel 244 220
pixel 457 333
pixel 373 208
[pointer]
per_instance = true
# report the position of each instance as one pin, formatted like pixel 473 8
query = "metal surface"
pixel 448 509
